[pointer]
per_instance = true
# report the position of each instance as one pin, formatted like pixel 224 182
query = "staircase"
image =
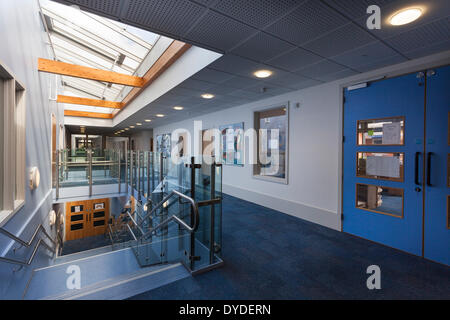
pixel 105 274
pixel 170 238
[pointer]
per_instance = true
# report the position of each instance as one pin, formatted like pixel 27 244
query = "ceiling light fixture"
pixel 126 129
pixel 207 96
pixel 139 124
pixel 160 115
pixel 405 16
pixel 132 127
pixel 148 120
pixel 262 74
pixel 178 108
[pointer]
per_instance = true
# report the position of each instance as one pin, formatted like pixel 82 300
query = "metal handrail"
pixel 30 260
pixel 166 198
pixel 28 244
pixel 189 228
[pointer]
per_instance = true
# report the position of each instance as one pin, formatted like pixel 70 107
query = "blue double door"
pixel 396 174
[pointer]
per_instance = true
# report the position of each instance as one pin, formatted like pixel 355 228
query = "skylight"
pixel 82 38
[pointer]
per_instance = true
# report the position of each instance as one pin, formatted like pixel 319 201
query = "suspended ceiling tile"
pixel 239 82
pixel 221 89
pixel 196 84
pixel 337 75
pixel 262 47
pixel 285 79
pixel 212 76
pixel 357 8
pixel 364 55
pixel 217 31
pixel 167 16
pixel 305 84
pixel 207 3
pixel 381 63
pixel 236 65
pixel 340 40
pixel 246 94
pixel 422 37
pixel 434 11
pixel 319 69
pixel 258 13
pixel 269 90
pixel 424 51
pixel 184 92
pixel 308 22
pixel 294 60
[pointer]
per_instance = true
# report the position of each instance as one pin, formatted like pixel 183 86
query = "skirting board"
pixel 322 217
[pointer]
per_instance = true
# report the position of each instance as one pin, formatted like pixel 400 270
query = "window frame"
pixel 256 126
pixel 12 145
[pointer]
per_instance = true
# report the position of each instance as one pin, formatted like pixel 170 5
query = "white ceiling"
pixel 305 43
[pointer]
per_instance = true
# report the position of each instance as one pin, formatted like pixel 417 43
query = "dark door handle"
pixel 429 168
pixel 416 168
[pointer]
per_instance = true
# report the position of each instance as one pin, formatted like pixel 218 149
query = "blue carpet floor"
pixel 270 255
pixel 88 243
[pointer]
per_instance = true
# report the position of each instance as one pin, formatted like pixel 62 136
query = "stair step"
pixel 128 285
pixel 95 269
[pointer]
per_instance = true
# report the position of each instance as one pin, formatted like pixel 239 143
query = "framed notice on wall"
pixel 232 144
pixel 163 143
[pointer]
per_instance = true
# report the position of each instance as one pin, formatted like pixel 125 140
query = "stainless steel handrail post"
pixel 119 169
pixel 192 237
pixel 212 211
pixel 138 174
pixel 148 176
pixel 161 171
pixel 57 175
pixel 126 169
pixel 131 171
pixel 90 171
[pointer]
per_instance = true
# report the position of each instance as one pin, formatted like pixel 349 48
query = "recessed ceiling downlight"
pixel 405 16
pixel 262 74
pixel 178 108
pixel 159 115
pixel 207 96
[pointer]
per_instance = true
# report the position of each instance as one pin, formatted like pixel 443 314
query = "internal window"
pixel 12 144
pixel 272 130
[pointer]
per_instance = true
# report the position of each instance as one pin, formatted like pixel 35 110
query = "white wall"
pixel 142 140
pixel 315 144
pixel 22 43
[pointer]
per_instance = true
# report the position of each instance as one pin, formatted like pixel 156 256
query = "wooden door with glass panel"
pixel 98 217
pixel 86 218
pixel 76 220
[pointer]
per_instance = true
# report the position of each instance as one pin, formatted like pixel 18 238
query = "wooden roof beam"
pixel 73 113
pixel 72 70
pixel 90 102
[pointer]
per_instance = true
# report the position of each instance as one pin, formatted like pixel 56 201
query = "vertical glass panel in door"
pixel 383 129
pixel 437 232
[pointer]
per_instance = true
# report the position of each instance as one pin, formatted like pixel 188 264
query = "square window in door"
pixel 381 166
pixel 381 132
pixel 383 200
